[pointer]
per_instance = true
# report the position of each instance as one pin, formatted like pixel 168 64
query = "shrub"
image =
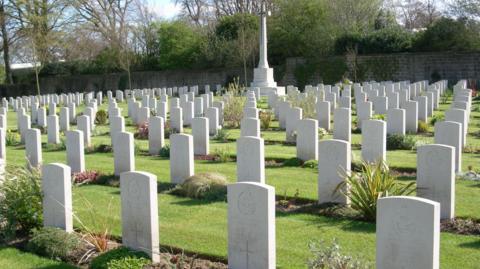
pixel 101 117
pixel 311 164
pixel 168 130
pixel 142 131
pixel 322 133
pixel 364 188
pixel 128 263
pixel 165 152
pixel 53 243
pixel 205 186
pixel 434 119
pixel 378 117
pixel 11 138
pixel 266 118
pixel 222 135
pixel 293 162
pixel 222 155
pixel 104 260
pixel 330 257
pixel 398 141
pixel 20 201
pixel 233 112
pixel 86 177
pixel 422 127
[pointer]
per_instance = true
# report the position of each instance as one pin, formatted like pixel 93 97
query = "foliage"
pixel 322 133
pixel 165 152
pixel 20 201
pixel 12 138
pixel 233 112
pixel 230 27
pixel 435 118
pixel 106 259
pixel 331 257
pixel 222 155
pixel 205 186
pixel 311 164
pixel 128 263
pixel 86 177
pixel 295 162
pixel 222 135
pixel 398 141
pixel 102 117
pixel 450 34
pixel 53 243
pixel 142 131
pixel 386 40
pixel 364 188
pixel 422 127
pixel 266 118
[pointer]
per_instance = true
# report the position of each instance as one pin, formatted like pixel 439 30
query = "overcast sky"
pixel 164 8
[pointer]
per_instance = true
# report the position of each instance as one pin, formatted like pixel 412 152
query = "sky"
pixel 164 8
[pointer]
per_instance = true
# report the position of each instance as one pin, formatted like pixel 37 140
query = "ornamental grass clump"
pixel 373 182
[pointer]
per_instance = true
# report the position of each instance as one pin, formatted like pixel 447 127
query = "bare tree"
pixel 465 8
pixel 417 14
pixel 113 20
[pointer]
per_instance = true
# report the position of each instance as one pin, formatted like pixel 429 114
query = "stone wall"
pixel 297 71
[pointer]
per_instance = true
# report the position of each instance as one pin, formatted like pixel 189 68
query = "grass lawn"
pixel 201 227
pixel 12 258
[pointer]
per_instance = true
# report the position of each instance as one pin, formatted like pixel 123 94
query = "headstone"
pixel 293 116
pixel 422 108
pixel 342 127
pixel 140 229
pixel 57 196
pixel 53 129
pixel 374 141
pixel 323 115
pixel 181 158
pixel 33 147
pixel 364 112
pixel 408 233
pixel 42 117
pixel 436 176
pixel 123 153
pixel 250 159
pixel 176 119
pixel 250 127
pixel 250 112
pixel 307 140
pixel 411 117
pixel 334 161
pixel 143 115
pixel 396 121
pixel 75 151
pixel 64 119
pixel 83 124
pixel 212 115
pixel 460 116
pixel 251 226
pixel 450 133
pixel 201 145
pixel 156 135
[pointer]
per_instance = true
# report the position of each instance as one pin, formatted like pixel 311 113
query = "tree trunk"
pixel 6 46
pixel 37 80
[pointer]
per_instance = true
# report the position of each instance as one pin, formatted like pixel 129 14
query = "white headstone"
pixel 123 153
pixel 334 161
pixel 181 158
pixel 75 151
pixel 33 147
pixel 307 140
pixel 201 145
pixel 374 141
pixel 250 159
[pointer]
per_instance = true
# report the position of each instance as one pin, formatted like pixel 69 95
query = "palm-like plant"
pixel 374 181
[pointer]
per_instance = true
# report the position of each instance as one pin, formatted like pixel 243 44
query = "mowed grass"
pixel 12 258
pixel 201 227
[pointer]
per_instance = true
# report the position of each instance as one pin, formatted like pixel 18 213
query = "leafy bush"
pixel 435 118
pixel 311 164
pixel 293 162
pixel 53 243
pixel 205 186
pixel 398 141
pixel 266 118
pixel 330 257
pixel 422 127
pixel 108 258
pixel 168 130
pixel 12 138
pixel 165 152
pixel 128 263
pixel 20 201
pixel 364 188
pixel 233 112
pixel 86 177
pixel 222 135
pixel 101 117
pixel 142 131
pixel 222 155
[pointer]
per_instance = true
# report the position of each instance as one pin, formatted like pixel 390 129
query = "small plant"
pixel 120 256
pixel 398 141
pixel 435 118
pixel 447 94
pixel 364 188
pixel 53 243
pixel 293 162
pixel 322 133
pixel 222 155
pixel 142 131
pixel 128 263
pixel 12 138
pixel 311 164
pixel 20 201
pixel 86 177
pixel 266 118
pixel 205 186
pixel 222 135
pixel 330 257
pixel 165 152
pixel 233 112
pixel 168 130
pixel 378 117
pixel 102 117
pixel 422 127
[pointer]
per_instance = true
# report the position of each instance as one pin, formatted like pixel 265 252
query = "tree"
pixel 466 8
pixel 354 15
pixel 113 20
pixel 416 14
pixel 5 41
